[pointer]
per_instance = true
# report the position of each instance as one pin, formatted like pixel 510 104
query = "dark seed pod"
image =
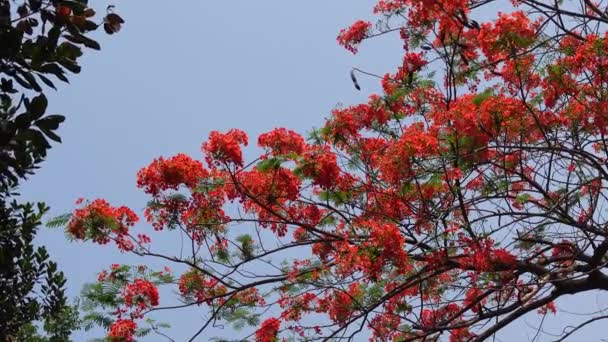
pixel 354 79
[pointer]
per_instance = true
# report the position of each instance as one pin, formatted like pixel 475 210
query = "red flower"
pixel 194 285
pixel 63 11
pixel 163 174
pixel 385 326
pixel 460 335
pixel 142 293
pixel 388 6
pixel 122 330
pixel 268 331
pixel 432 318
pixel 549 307
pixel 100 222
pixel 482 256
pixel 510 33
pixel 102 276
pixel 413 62
pixel 322 166
pixel 282 142
pixel 224 147
pixel 340 305
pixel 263 192
pixel 352 36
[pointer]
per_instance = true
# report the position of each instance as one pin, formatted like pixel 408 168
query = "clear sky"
pixel 175 72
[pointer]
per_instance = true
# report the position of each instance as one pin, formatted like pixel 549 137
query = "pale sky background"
pixel 180 69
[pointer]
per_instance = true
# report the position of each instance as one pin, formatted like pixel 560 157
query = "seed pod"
pixel 354 79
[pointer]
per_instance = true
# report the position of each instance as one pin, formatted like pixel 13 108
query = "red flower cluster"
pixel 141 293
pixel 385 326
pixel 268 331
pixel 101 222
pixel 481 255
pixel 351 37
pixel 431 318
pixel 224 148
pixel 282 142
pixel 389 6
pixel 163 174
pixel 510 34
pixel 461 335
pixel 295 306
pixel 340 305
pixel 122 330
pixel 412 62
pixel 265 193
pixel 549 307
pixel 321 165
pixel 195 285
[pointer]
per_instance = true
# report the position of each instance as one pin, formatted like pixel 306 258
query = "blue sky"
pixel 179 70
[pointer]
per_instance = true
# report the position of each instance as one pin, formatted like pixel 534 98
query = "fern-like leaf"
pixel 59 221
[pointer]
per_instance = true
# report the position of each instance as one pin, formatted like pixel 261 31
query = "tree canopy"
pixel 467 194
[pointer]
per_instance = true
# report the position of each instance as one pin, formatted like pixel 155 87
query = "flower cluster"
pixel 321 165
pixel 341 305
pixel 101 222
pixel 268 330
pixel 510 34
pixel 122 330
pixel 163 174
pixel 482 256
pixel 351 37
pixel 224 148
pixel 431 318
pixel 200 288
pixel 141 293
pixel 282 142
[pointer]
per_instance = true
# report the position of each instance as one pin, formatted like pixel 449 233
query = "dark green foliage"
pixel 41 42
pixel 56 328
pixel 31 288
pixel 24 134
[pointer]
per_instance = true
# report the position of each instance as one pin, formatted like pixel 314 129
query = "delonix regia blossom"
pixel 467 194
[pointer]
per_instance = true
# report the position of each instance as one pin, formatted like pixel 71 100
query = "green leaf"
pixel 59 221
pixel 480 98
pixel 269 164
pixel 69 50
pixel 25 84
pixel 81 39
pixel 47 81
pixel 70 65
pixel 23 121
pixel 51 135
pixel 31 80
pixel 53 68
pixel 38 106
pixel 523 198
pixel 50 122
pixel 246 245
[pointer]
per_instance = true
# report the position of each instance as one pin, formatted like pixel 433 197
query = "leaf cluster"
pixel 41 41
pixel 31 287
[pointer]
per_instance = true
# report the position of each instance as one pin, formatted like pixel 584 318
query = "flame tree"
pixel 465 196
